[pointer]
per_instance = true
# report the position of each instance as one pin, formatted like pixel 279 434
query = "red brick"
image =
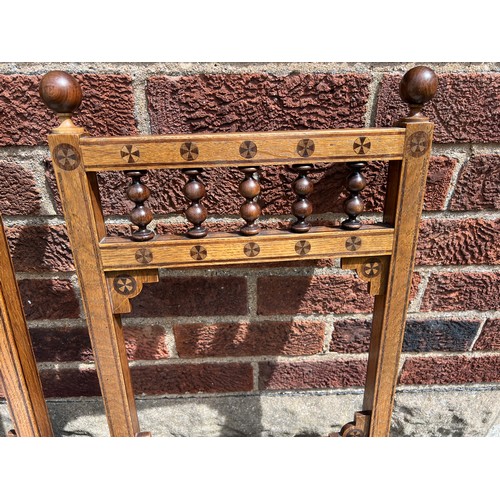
pixel 70 382
pixel 337 294
pixel 73 344
pixel 462 292
pixel 465 108
pixel 441 170
pixel 193 296
pixel 451 370
pixel 192 378
pixel 489 340
pixel 256 102
pixel 312 295
pixel 18 192
pixel 49 299
pixel 249 339
pixel 312 374
pixel 458 242
pixel 353 336
pixel 107 108
pixel 40 248
pixel 478 186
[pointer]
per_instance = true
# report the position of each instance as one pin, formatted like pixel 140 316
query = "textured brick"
pixel 489 340
pixel 441 170
pixel 451 370
pixel 465 108
pixel 256 102
pixel 70 382
pixel 462 292
pixel 249 339
pixel 312 374
pixel 40 248
pixel 337 294
pixel 192 378
pixel 458 242
pixel 439 335
pixel 353 336
pixel 312 295
pixel 18 192
pixel 478 186
pixel 193 296
pixel 49 299
pixel 107 108
pixel 73 344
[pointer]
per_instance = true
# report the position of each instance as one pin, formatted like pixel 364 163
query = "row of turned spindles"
pixel 250 211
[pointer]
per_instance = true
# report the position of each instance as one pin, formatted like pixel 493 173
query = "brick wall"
pixel 269 327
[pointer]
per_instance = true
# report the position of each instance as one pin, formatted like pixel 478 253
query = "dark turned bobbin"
pixel 418 86
pixel 140 216
pixel 250 210
pixel 194 191
pixel 354 205
pixel 62 93
pixel 302 207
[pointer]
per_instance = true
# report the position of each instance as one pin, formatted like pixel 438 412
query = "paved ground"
pixel 418 412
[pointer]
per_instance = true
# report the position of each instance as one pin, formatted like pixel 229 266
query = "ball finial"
pixel 418 86
pixel 61 92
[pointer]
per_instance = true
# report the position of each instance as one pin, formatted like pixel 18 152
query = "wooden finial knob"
pixel 418 86
pixel 61 92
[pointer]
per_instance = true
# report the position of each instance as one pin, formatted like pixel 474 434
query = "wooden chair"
pixel 112 270
pixel 18 370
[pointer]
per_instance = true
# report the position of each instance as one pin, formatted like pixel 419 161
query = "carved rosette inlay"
pixel 305 148
pixel 354 432
pixel 189 151
pixel 66 156
pixel 371 268
pixel 362 145
pixel 198 252
pixel 143 256
pixel 302 247
pixel 251 249
pixel 353 243
pixel 130 153
pixel 418 144
pixel 248 149
pixel 124 284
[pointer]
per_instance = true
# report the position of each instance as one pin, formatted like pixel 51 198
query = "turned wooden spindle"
pixel 302 207
pixel 418 86
pixel 194 191
pixel 250 210
pixel 140 215
pixel 62 93
pixel 354 205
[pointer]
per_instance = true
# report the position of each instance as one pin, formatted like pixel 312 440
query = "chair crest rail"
pixel 241 149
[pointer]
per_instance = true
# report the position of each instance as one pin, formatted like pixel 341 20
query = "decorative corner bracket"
pixel 370 269
pixel 125 285
pixel 360 427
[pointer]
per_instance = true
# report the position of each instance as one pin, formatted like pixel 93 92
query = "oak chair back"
pixel 18 371
pixel 113 269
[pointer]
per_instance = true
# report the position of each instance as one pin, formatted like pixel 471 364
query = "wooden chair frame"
pixel 113 269
pixel 18 370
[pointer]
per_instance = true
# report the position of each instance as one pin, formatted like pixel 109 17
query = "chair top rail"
pixel 241 149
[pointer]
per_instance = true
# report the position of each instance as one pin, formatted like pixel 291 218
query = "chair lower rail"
pixel 169 251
